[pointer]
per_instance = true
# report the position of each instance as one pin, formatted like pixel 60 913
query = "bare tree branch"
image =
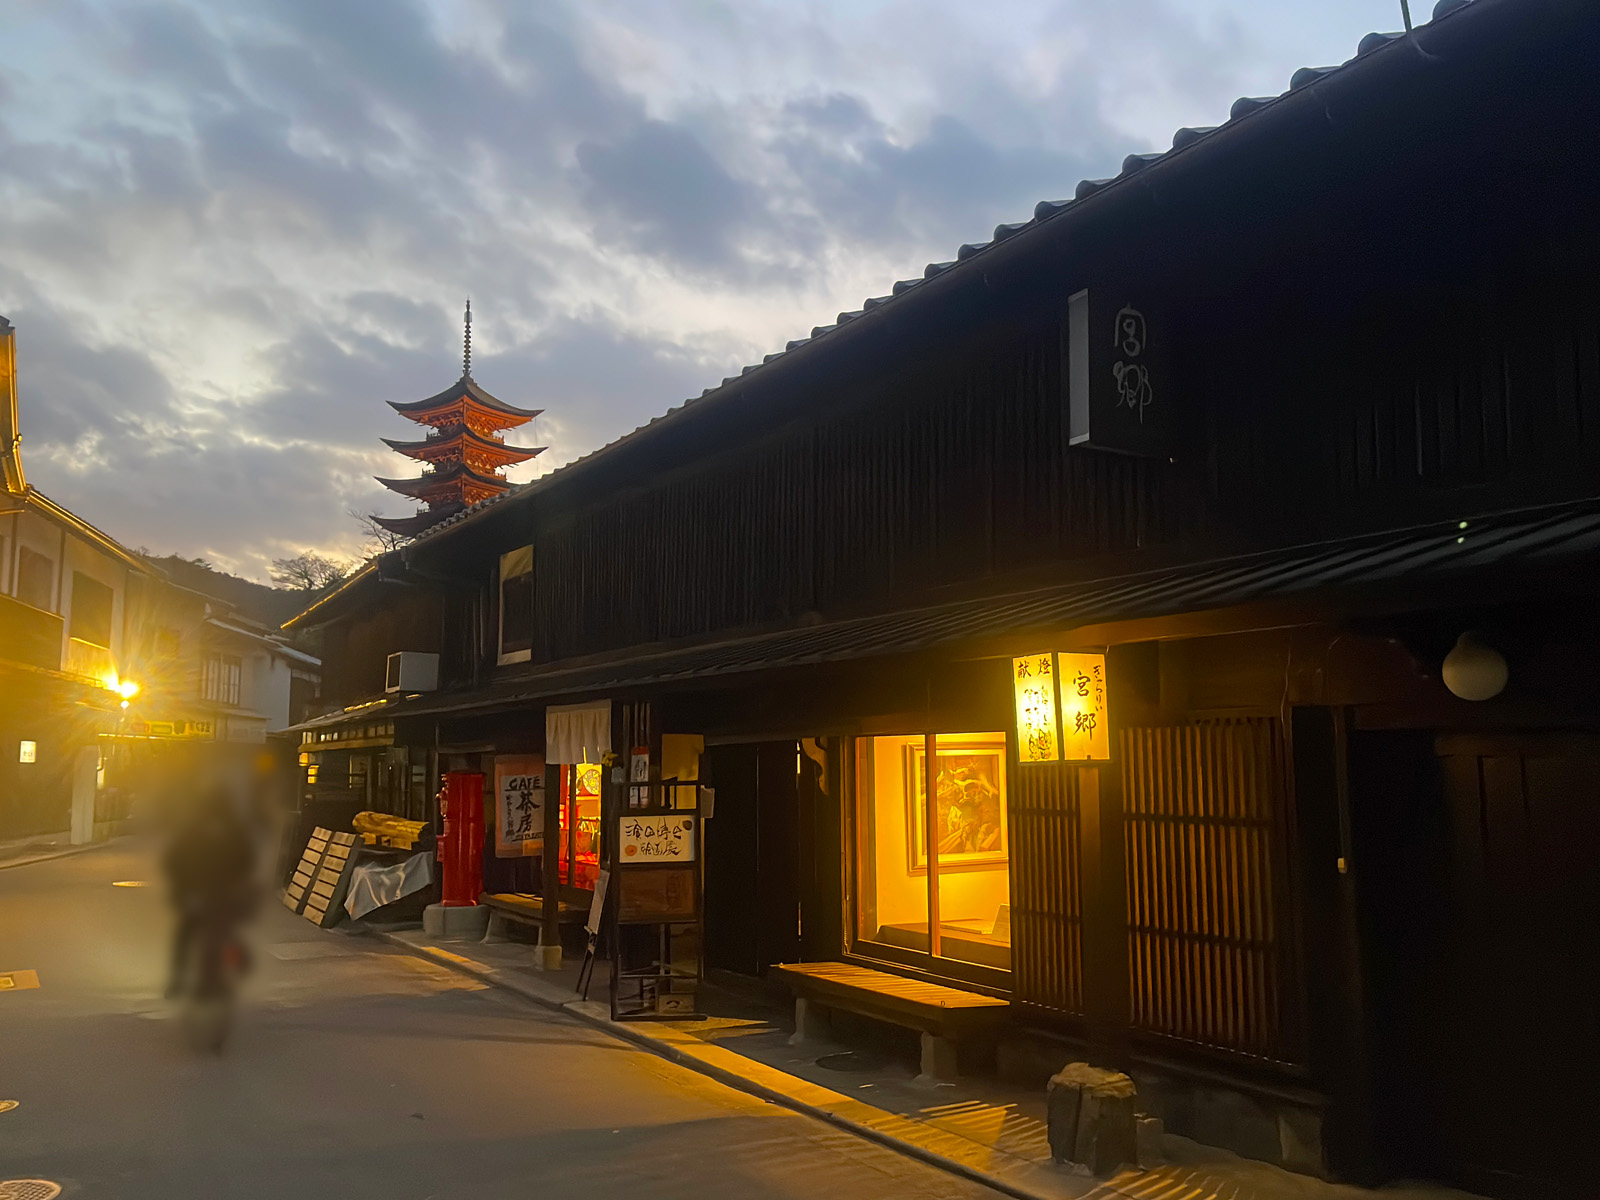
pixel 309 572
pixel 379 539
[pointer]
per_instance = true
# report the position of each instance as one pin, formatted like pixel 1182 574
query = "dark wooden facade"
pixel 1377 306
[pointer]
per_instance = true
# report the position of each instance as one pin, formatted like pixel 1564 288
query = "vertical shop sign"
pixel 1085 736
pixel 1034 682
pixel 519 805
pixel 1116 375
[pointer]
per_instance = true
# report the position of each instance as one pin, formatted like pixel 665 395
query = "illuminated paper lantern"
pixel 1033 679
pixel 1081 683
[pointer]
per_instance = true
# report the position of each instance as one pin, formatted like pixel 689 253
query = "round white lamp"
pixel 1473 670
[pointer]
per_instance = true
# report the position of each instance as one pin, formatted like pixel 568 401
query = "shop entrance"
pixel 752 851
pixel 1481 900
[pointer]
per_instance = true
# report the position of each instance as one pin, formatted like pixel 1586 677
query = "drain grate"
pixel 28 1189
pixel 846 1060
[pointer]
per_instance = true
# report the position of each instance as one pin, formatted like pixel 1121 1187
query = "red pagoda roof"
pixel 454 481
pixel 465 403
pixel 461 442
pixel 419 522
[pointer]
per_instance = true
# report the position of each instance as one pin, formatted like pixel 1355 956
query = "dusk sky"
pixel 230 231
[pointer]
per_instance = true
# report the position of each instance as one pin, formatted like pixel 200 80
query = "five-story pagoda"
pixel 465 454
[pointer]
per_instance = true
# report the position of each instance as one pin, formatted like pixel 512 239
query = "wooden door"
pixel 732 928
pixel 778 852
pixel 1479 872
pixel 752 850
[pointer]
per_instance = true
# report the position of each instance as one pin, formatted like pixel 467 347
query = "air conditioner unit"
pixel 410 671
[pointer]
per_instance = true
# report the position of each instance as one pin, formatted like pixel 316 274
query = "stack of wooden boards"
pixel 320 880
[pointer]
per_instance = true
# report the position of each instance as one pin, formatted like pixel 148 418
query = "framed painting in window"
pixel 969 806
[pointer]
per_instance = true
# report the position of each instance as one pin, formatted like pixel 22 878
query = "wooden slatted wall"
pixel 940 473
pixel 1203 813
pixel 1046 907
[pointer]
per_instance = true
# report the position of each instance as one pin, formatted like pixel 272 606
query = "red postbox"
pixel 461 839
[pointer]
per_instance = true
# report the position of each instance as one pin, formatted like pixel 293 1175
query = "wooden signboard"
pixel 1118 388
pixel 648 897
pixel 305 874
pixel 655 914
pixel 519 805
pixel 657 838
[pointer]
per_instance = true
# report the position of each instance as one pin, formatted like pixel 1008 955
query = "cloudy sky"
pixel 230 230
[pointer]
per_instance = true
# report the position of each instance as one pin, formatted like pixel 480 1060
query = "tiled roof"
pixel 1184 139
pixel 465 386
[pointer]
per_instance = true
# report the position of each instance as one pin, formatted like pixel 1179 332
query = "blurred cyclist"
pixel 210 864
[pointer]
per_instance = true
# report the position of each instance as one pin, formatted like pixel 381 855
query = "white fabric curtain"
pixel 575 733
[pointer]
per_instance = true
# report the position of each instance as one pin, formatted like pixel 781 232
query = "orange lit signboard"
pixel 1061 707
pixel 1081 679
pixel 1033 680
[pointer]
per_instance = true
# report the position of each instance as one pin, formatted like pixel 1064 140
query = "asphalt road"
pixel 356 1070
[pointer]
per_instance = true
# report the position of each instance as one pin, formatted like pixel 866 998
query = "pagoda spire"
pixel 464 453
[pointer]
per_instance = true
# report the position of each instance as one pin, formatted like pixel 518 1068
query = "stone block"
pixel 940 1060
pixel 1300 1141
pixel 811 1025
pixel 1090 1118
pixel 455 921
pixel 1149 1136
pixel 499 929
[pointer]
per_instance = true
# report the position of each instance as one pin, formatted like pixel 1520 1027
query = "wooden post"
pixel 1105 914
pixel 549 952
pixel 1332 985
pixel 930 811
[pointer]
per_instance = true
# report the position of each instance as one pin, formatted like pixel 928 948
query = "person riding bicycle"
pixel 210 865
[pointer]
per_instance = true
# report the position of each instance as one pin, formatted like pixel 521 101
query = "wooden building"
pixel 1270 421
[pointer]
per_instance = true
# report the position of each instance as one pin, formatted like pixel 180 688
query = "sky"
pixel 231 230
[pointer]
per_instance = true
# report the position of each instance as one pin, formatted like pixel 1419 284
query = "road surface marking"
pixel 7 1105
pixel 28 1189
pixel 17 981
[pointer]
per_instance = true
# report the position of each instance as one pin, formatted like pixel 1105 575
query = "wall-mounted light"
pixel 1474 670
pixel 27 752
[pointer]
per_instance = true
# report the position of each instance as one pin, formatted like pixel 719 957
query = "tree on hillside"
pixel 308 572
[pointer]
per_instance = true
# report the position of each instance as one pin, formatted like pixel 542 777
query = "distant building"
pixel 465 455
pixel 103 659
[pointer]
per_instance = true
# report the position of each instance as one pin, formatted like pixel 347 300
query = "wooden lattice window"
pixel 1203 806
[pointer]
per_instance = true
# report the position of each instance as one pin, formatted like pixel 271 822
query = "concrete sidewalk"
pixel 981 1129
pixel 21 852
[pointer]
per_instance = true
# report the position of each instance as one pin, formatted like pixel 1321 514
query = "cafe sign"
pixel 1061 707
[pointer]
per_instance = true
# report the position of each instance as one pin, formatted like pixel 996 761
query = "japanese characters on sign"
pixel 1061 707
pixel 1115 368
pixel 519 804
pixel 1084 733
pixel 1034 682
pixel 667 837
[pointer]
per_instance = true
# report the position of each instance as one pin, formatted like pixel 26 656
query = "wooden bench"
pixel 943 1016
pixel 519 908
